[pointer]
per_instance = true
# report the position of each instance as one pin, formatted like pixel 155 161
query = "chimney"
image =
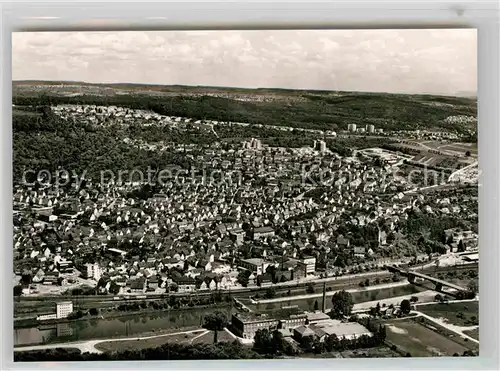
pixel 323 308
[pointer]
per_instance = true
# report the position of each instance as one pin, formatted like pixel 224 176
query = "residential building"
pixel 93 271
pixel 257 266
pixel 307 265
pixel 262 232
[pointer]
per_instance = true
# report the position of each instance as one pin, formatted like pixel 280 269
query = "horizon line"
pixel 465 94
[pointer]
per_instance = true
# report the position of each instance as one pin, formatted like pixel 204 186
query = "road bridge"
pixel 439 284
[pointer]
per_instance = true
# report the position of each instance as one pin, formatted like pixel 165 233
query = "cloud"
pixel 408 61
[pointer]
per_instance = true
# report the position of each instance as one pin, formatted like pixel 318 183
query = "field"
pixel 208 338
pixel 418 340
pixel 378 352
pixel 197 337
pixel 123 345
pixel 473 333
pixel 424 156
pixel 459 314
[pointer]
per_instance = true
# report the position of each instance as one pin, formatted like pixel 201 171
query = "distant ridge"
pixel 175 87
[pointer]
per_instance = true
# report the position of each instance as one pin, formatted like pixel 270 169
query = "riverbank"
pixel 31 322
pixel 423 297
pixel 90 345
pixel 329 293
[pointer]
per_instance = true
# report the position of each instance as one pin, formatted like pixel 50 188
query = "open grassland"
pixel 110 346
pixel 473 333
pixel 208 338
pixel 459 314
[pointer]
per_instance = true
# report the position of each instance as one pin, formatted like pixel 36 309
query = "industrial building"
pixel 63 310
pixel 246 325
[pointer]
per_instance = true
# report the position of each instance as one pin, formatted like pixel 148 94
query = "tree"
pixel 467 154
pixel 243 278
pixel 461 246
pixel 310 288
pixel 405 306
pixel 270 293
pixel 342 304
pixel 114 288
pixel 93 311
pixel 215 322
pixel 438 298
pixel 473 286
pixel 26 279
pixel 413 299
pixel 18 290
pixel 396 277
pixel 262 341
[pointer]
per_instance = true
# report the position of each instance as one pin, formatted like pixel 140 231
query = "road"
pixel 455 329
pixel 89 345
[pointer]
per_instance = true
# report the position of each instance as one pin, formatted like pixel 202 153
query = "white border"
pixel 483 15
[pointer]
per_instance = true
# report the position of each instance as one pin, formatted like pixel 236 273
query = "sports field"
pixel 419 341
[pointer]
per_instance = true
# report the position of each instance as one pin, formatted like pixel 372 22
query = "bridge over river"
pixel 439 284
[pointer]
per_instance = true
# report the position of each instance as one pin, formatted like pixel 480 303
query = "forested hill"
pixel 324 110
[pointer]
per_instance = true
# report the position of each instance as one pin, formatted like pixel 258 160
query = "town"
pixel 253 232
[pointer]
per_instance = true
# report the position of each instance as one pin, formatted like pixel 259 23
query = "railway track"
pixel 339 283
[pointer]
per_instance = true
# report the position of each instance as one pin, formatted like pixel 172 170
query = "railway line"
pixel 332 283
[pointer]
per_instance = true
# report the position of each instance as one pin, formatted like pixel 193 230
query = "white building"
pixel 255 144
pixel 93 271
pixel 320 145
pixel 63 309
pixel 351 128
pixel 308 265
pixel 370 128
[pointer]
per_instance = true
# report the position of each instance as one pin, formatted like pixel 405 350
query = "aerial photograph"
pixel 255 194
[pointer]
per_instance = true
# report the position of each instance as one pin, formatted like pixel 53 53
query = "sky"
pixel 439 61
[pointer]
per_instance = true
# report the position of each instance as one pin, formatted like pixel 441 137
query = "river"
pixel 123 326
pixel 358 297
pixel 134 324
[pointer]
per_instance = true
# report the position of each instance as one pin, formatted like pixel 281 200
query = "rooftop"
pixel 250 318
pixel 342 328
pixel 317 316
pixel 254 261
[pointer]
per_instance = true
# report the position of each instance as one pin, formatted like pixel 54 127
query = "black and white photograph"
pixel 245 194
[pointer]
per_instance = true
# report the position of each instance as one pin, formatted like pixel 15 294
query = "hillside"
pixel 327 110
